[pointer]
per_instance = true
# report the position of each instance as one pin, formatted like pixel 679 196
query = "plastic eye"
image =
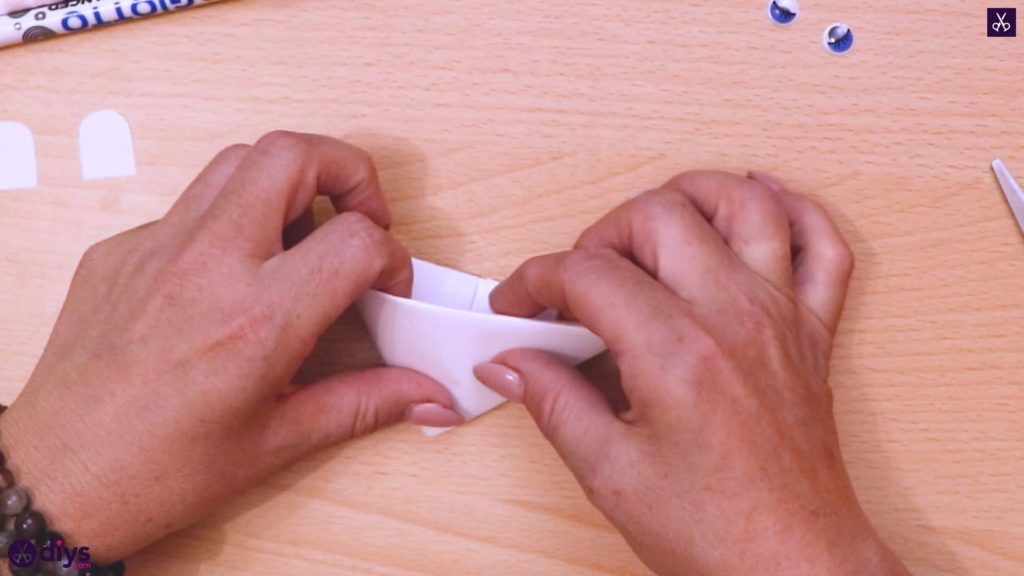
pixel 783 12
pixel 838 38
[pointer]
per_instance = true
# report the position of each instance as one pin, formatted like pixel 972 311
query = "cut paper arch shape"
pixel 105 146
pixel 448 327
pixel 17 157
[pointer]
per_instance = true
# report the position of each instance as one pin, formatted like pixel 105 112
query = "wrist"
pixel 53 473
pixel 870 557
pixel 834 539
pixel 853 549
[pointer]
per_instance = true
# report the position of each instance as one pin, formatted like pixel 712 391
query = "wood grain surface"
pixel 501 129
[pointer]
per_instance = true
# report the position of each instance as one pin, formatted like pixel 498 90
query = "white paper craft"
pixel 17 157
pixel 105 146
pixel 448 327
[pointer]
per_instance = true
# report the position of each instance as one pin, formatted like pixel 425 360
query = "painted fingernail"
pixel 501 379
pixel 767 180
pixel 435 415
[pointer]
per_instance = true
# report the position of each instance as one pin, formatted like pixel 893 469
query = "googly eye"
pixel 783 12
pixel 838 38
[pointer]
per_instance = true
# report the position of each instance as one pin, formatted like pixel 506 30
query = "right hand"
pixel 718 297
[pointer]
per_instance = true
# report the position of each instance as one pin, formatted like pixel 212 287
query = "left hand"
pixel 166 386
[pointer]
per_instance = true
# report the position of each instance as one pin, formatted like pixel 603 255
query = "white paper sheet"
pixel 17 157
pixel 105 145
pixel 448 327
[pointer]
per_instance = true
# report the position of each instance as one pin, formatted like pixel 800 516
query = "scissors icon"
pixel 1002 25
pixel 24 558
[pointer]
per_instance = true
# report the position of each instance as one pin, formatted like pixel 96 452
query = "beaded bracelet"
pixel 24 537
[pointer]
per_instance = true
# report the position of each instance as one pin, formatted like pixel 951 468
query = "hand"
pixel 718 297
pixel 165 387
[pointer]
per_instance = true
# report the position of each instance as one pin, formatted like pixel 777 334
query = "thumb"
pixel 571 412
pixel 351 404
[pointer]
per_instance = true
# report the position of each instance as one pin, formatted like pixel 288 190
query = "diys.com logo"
pixel 24 554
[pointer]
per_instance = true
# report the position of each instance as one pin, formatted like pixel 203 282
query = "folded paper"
pixel 448 327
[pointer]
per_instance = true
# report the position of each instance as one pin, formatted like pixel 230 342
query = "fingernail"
pixel 767 180
pixel 501 379
pixel 435 415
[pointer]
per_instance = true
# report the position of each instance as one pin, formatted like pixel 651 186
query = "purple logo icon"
pixel 22 553
pixel 1002 22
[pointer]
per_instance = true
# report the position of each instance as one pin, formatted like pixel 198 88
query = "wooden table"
pixel 501 130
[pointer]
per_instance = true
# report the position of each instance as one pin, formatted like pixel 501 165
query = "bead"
pixel 44 542
pixel 13 500
pixel 60 570
pixel 6 479
pixel 48 537
pixel 30 525
pixel 6 537
pixel 94 571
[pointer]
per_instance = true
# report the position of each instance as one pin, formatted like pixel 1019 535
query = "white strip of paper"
pixel 106 147
pixel 17 157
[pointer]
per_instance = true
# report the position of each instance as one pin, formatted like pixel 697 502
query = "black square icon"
pixel 1002 22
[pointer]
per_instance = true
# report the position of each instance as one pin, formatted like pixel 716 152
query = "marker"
pixel 70 16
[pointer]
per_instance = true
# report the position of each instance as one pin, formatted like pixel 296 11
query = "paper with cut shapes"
pixel 105 146
pixel 448 327
pixel 17 157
